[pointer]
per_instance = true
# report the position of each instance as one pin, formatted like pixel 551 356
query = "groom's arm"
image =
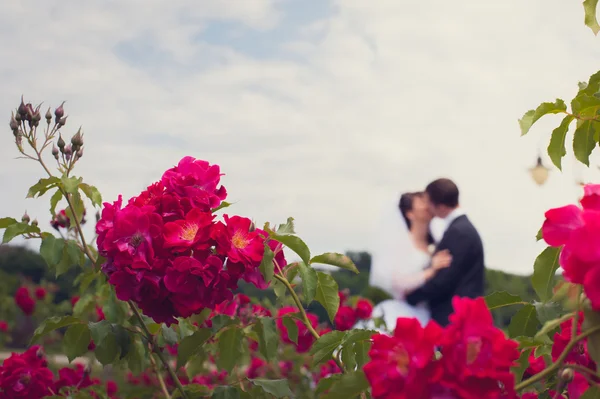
pixel 446 280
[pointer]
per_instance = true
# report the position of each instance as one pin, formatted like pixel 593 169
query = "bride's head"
pixel 415 209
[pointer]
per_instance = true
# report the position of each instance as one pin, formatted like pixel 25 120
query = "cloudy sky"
pixel 314 109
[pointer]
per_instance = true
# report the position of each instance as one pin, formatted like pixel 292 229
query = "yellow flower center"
pixel 402 360
pixel 189 232
pixel 473 349
pixel 239 240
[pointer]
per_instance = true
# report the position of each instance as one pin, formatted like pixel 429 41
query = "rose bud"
pixel 62 121
pixel 61 143
pixel 77 139
pixel 59 112
pixel 79 153
pixel 48 116
pixel 55 152
pixel 22 110
pixel 29 112
pixel 25 218
pixel 34 222
pixel 14 125
pixel 68 152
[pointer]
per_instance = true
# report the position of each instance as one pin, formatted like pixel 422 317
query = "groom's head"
pixel 442 195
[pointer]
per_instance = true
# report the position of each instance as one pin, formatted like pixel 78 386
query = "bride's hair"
pixel 406 204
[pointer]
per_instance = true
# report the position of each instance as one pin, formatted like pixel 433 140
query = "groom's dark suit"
pixel 464 277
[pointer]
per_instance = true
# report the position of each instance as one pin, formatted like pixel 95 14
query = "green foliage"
pixel 524 323
pixel 268 338
pixel 349 385
pixel 533 116
pixel 230 342
pixel 309 281
pixel 590 20
pixel 76 340
pixel 191 345
pixel 335 259
pixel 327 294
pixel 544 271
pixel 53 323
pixel 277 388
pixel 61 254
pixel 500 299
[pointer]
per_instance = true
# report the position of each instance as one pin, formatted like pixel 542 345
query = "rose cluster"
pixel 348 315
pixel 469 359
pixel 577 230
pixel 578 355
pixel 165 251
pixel 27 376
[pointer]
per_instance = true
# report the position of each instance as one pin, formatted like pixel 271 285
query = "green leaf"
pixel 16 229
pixel 335 259
pixel 5 222
pixel 92 193
pixel 267 337
pixel 223 204
pixel 193 391
pixel 292 329
pixel 191 344
pixel 524 322
pixel 544 270
pixel 348 357
pixel 277 388
pixel 267 266
pixel 592 392
pixel 154 328
pixel 532 116
pixel 225 392
pixel 51 250
pixel 279 288
pixel 136 356
pixel 353 336
pixel 584 141
pixel 84 305
pixel 324 347
pixel 71 184
pixel 327 294
pixel 54 200
pixel 591 320
pixel 539 236
pixel 53 323
pixel 326 383
pixel 349 385
pixel 309 281
pixel 76 340
pixel 220 321
pixel 71 256
pixel 42 186
pixel 556 148
pixel 169 335
pixel 107 350
pixel 590 20
pixel 523 364
pixel 230 350
pixel 287 228
pixel 361 353
pixel 502 298
pixel 295 244
pixel 547 311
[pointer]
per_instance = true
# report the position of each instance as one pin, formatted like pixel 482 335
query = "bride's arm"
pixel 405 284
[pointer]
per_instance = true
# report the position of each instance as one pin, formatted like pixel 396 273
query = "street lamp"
pixel 539 173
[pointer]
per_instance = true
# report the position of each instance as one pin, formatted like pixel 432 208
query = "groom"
pixel 465 276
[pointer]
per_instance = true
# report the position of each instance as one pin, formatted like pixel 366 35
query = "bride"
pixel 402 260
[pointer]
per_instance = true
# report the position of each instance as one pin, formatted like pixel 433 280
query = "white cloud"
pixel 375 98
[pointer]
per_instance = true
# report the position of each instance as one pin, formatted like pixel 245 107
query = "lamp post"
pixel 539 173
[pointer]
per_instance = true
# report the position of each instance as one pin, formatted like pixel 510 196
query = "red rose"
pixel 25 376
pixel 345 318
pixel 576 230
pixel 76 379
pixel 579 354
pixel 401 366
pixel 111 388
pixel 536 365
pixel 40 293
pixel 477 356
pixel 3 326
pixel 305 338
pixel 364 309
pixel 24 301
pixel 257 368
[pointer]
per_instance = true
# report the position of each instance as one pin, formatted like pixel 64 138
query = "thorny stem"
pixel 304 316
pixel 158 352
pixel 161 381
pixel 93 259
pixel 556 365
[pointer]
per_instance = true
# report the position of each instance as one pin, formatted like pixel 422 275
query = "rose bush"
pixel 158 314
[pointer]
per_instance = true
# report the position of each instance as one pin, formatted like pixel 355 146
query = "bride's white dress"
pixel 396 268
